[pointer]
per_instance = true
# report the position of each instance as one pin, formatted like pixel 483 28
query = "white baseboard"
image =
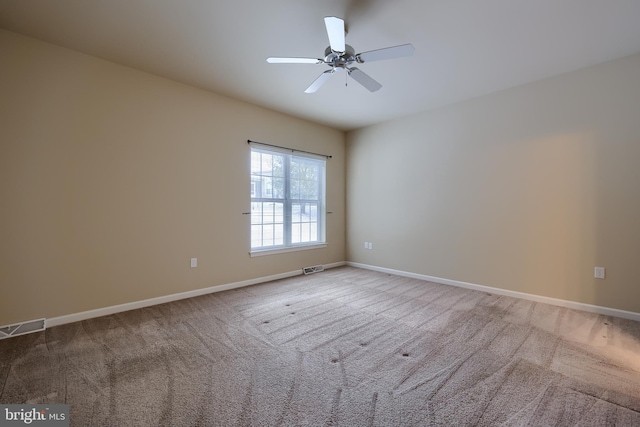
pixel 105 311
pixel 531 297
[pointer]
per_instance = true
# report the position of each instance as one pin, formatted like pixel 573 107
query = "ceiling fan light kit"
pixel 340 56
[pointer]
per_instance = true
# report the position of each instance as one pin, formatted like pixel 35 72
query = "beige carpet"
pixel 346 347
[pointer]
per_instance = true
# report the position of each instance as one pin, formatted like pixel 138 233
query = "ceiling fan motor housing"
pixel 339 59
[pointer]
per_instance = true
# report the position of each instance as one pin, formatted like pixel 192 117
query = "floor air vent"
pixel 314 269
pixel 22 328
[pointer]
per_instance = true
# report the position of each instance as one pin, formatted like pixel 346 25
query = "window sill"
pixel 263 252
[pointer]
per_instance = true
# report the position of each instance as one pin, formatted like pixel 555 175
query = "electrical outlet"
pixel 598 273
pixel 370 245
pixel 194 262
pixel 366 245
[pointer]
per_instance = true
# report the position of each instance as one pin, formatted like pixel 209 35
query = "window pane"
pixel 256 213
pixel 277 166
pixel 295 169
pixel 313 232
pixel 255 162
pixel 295 190
pixel 295 212
pixel 267 221
pixel 304 232
pixel 267 235
pixel 309 189
pixel 295 233
pixel 267 187
pixel 279 234
pixel 278 188
pixel 256 236
pixel 279 213
pixel 269 213
pixel 306 178
pixel 266 165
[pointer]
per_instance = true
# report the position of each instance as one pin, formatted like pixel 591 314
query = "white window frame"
pixel 288 202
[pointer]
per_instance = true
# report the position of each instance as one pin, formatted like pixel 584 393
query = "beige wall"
pixel 526 190
pixel 111 179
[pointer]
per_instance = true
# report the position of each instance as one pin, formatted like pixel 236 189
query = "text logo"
pixel 34 415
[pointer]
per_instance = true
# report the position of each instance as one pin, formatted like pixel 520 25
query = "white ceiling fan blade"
pixel 273 60
pixel 317 83
pixel 364 79
pixel 386 53
pixel 335 31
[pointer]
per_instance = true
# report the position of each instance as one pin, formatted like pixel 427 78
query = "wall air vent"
pixel 22 328
pixel 314 269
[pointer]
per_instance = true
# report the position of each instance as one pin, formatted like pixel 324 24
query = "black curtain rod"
pixel 293 150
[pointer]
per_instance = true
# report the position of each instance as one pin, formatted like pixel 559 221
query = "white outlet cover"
pixel 194 262
pixel 598 273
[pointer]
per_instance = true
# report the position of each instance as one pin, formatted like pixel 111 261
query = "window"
pixel 287 200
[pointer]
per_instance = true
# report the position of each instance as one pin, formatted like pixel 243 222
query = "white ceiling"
pixel 464 48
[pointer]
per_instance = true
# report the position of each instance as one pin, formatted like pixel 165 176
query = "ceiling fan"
pixel 339 57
